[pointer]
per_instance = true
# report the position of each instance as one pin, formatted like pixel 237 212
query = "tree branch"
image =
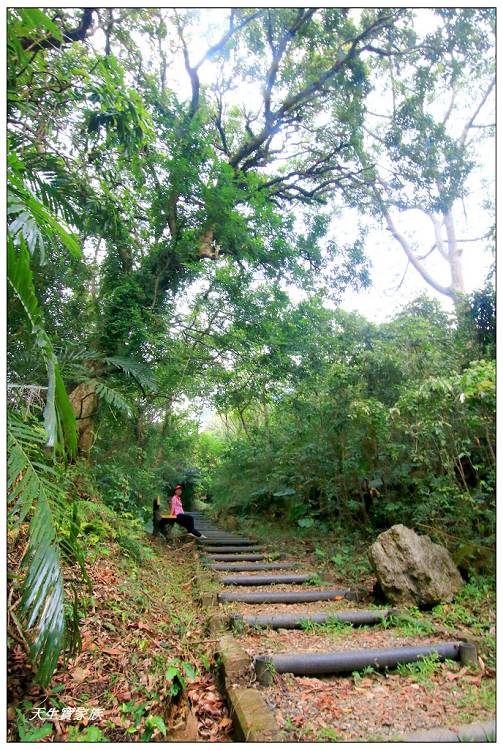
pixel 211 52
pixel 470 122
pixel 292 103
pixel 409 252
pixel 302 18
pixel 69 36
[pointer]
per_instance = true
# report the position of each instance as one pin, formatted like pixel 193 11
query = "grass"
pixel 410 623
pixel 422 670
pixel 332 627
pixel 473 700
pixel 326 734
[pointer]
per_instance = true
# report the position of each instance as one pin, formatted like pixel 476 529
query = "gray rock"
pixel 412 570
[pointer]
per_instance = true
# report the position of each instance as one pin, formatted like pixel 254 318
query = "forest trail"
pixel 328 672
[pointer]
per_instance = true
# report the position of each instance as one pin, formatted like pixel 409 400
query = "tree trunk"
pixel 84 403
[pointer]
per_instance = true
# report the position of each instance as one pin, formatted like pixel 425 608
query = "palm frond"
pixel 34 490
pixel 140 372
pixel 61 191
pixel 33 219
pixel 59 419
pixel 113 398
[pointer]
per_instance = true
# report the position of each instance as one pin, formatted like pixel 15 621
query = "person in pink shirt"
pixel 184 519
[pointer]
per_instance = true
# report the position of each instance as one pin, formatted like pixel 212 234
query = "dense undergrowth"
pixel 387 424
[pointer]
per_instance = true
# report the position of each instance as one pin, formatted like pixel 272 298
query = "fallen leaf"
pixel 79 674
pixel 473 681
pixel 456 675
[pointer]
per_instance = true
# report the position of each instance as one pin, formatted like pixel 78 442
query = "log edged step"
pixel 233 549
pixel 338 662
pixel 296 620
pixel 237 568
pixel 285 597
pixel 219 542
pixel 214 558
pixel 264 580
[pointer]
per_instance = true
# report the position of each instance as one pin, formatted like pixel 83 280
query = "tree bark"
pixel 84 402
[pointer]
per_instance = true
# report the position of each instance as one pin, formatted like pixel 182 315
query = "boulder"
pixel 412 570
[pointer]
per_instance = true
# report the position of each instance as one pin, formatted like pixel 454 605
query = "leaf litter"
pixel 140 620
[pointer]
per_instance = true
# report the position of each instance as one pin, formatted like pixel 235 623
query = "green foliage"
pixel 421 670
pixel 36 493
pixel 88 734
pixel 394 405
pixel 332 627
pixel 410 624
pixel 59 420
pixel 28 733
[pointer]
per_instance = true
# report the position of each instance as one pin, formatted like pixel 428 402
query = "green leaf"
pixel 140 372
pixel 34 219
pixel 59 419
pixel 306 523
pixel 113 398
pixel 34 489
pixel 36 20
pixel 156 722
pixel 29 733
pixel 284 492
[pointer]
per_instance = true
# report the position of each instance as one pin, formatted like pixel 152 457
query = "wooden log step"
pixel 264 580
pixel 336 662
pixel 296 620
pixel 231 548
pixel 285 597
pixel 211 558
pixel 254 566
pixel 224 542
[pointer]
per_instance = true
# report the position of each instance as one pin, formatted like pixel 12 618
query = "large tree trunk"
pixel 84 403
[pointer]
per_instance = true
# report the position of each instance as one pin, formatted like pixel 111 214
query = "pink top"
pixel 176 505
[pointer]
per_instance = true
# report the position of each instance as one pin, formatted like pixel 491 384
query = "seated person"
pixel 184 519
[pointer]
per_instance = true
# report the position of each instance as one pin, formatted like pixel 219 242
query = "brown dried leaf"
pixel 79 674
